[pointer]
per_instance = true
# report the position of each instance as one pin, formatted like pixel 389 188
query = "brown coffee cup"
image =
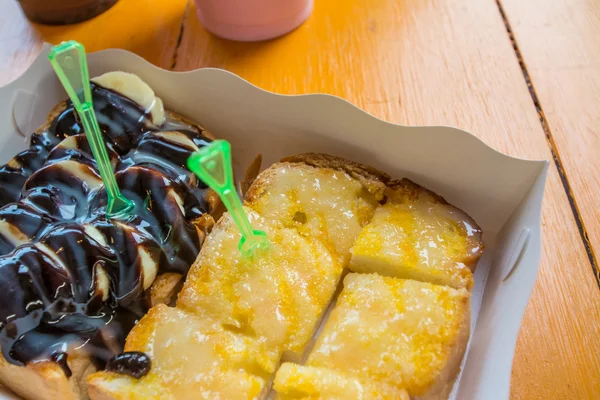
pixel 63 12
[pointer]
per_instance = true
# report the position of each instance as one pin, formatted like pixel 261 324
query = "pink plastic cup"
pixel 252 20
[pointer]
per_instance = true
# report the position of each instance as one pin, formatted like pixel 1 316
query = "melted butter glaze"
pixel 70 277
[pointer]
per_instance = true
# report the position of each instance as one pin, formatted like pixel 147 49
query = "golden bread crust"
pixel 45 380
pixel 371 178
pixel 250 175
pixel 409 188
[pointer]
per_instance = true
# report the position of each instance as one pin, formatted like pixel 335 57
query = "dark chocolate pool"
pixel 70 277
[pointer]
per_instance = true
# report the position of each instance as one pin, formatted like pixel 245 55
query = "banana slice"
pixel 133 87
pixel 101 277
pixel 11 234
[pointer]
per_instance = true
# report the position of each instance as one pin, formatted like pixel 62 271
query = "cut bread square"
pixel 280 294
pixel 400 332
pixel 323 201
pixel 297 382
pixel 192 357
pixel 418 235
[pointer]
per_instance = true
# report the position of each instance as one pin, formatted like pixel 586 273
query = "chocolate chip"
pixel 132 363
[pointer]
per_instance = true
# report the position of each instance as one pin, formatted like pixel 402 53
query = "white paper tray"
pixel 503 194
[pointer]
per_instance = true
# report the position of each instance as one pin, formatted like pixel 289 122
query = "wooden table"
pixel 524 76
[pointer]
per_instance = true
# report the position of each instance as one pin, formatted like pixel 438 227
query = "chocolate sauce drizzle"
pixel 70 277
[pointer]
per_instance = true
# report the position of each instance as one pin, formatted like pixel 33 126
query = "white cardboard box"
pixel 503 194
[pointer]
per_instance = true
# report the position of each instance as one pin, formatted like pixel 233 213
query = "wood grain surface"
pixel 416 62
pixel 559 42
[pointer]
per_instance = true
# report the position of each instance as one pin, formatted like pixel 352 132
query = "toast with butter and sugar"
pixel 416 234
pixel 385 337
pixel 399 332
pixel 321 196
